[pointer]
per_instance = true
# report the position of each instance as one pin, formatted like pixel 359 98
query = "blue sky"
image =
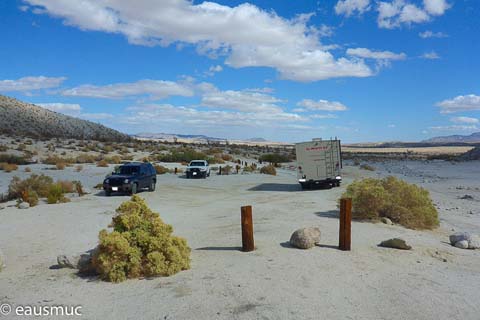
pixel 361 70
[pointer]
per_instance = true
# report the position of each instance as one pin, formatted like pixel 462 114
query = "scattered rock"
pixel 472 241
pixel 82 262
pixel 305 238
pixel 67 262
pixel 395 243
pixel 2 206
pixel 386 221
pixel 467 197
pixel 459 236
pixel 87 191
pixel 462 244
pixel 23 205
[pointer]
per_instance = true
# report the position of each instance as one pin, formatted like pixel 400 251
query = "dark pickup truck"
pixel 130 178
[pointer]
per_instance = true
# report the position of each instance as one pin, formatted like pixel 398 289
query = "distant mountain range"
pixel 472 138
pixel 28 120
pixel 189 137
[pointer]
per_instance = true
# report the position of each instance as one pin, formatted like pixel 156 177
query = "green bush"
pixel 141 244
pixel 270 169
pixel 274 158
pixel 12 159
pixel 403 203
pixel 56 194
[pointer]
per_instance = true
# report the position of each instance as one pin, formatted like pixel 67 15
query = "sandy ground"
pixel 432 281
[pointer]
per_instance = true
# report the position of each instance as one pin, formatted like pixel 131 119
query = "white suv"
pixel 198 169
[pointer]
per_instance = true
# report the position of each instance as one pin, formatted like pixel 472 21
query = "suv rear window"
pixel 129 169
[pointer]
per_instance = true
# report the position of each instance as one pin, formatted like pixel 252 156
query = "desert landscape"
pixel 433 280
pixel 218 160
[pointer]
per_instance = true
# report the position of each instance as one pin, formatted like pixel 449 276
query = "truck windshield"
pixel 197 164
pixel 129 170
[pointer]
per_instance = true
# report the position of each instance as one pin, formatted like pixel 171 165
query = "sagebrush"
pixel 403 203
pixel 140 245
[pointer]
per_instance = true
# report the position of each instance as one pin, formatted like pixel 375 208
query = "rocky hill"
pixel 23 119
pixel 473 138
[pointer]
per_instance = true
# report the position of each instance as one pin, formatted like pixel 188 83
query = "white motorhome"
pixel 319 163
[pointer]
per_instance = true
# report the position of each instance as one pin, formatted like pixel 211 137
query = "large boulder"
pixel 460 238
pixel 386 220
pixel 82 262
pixel 23 205
pixel 395 243
pixel 305 238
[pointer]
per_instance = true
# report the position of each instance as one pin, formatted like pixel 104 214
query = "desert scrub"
pixel 140 245
pixel 8 167
pixel 29 196
pixel 161 169
pixel 102 163
pixel 270 169
pixel 38 183
pixel 367 167
pixel 274 158
pixel 56 194
pixel 403 203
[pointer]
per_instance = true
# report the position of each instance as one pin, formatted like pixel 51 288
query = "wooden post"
pixel 220 171
pixel 176 170
pixel 247 229
pixel 345 237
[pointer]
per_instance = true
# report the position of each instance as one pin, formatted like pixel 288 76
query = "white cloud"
pixel 379 55
pixel 430 34
pixel 436 7
pixel 323 116
pixel 155 89
pixel 456 128
pixel 65 108
pixel 96 116
pixel 213 69
pixel 432 55
pixel 349 7
pixel 464 120
pixel 246 35
pixel 469 102
pixel 193 117
pixel 391 125
pixel 30 83
pixel 395 13
pixel 245 101
pixel 321 105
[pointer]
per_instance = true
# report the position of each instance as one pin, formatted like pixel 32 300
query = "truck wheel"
pixel 188 175
pixel 108 193
pixel 151 188
pixel 134 189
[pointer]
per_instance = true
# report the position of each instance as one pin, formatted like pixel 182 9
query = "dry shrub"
pixel 367 167
pixel 141 244
pixel 79 188
pixel 8 167
pixel 27 169
pixel 226 157
pixel 79 168
pixel 102 163
pixel 113 159
pixel 270 169
pixel 226 170
pixel 31 197
pixel 403 203
pixel 67 186
pixel 60 165
pixel 161 169
pixel 40 184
